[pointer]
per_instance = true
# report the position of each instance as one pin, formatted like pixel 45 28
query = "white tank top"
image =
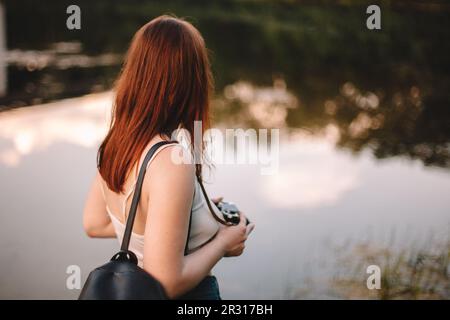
pixel 203 225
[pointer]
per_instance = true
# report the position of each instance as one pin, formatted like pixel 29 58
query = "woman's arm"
pixel 170 187
pixel 96 222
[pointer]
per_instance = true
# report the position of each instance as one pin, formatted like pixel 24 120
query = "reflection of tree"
pixel 402 123
pixel 400 104
pixel 400 74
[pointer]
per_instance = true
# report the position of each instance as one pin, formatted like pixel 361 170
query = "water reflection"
pixel 83 122
pixel 389 125
pixel 261 107
pixel 318 177
pixel 302 67
pixel 79 121
pixel 319 193
pixel 62 55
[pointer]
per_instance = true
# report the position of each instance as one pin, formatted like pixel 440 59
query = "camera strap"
pixel 208 202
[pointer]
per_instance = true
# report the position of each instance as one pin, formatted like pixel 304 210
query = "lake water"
pixel 364 124
pixel 319 194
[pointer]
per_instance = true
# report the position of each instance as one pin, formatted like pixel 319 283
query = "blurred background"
pixel 364 153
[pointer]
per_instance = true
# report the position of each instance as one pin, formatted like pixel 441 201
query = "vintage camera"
pixel 230 212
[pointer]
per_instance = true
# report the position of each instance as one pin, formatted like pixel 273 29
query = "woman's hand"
pixel 233 237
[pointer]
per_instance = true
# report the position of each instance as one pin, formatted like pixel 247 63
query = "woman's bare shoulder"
pixel 173 163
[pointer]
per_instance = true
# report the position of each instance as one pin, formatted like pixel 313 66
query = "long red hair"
pixel 165 84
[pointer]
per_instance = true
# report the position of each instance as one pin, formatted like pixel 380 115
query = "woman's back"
pixel 203 225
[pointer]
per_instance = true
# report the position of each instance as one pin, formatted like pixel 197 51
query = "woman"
pixel 164 86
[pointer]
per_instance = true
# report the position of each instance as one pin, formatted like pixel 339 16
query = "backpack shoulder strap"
pixel 137 196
